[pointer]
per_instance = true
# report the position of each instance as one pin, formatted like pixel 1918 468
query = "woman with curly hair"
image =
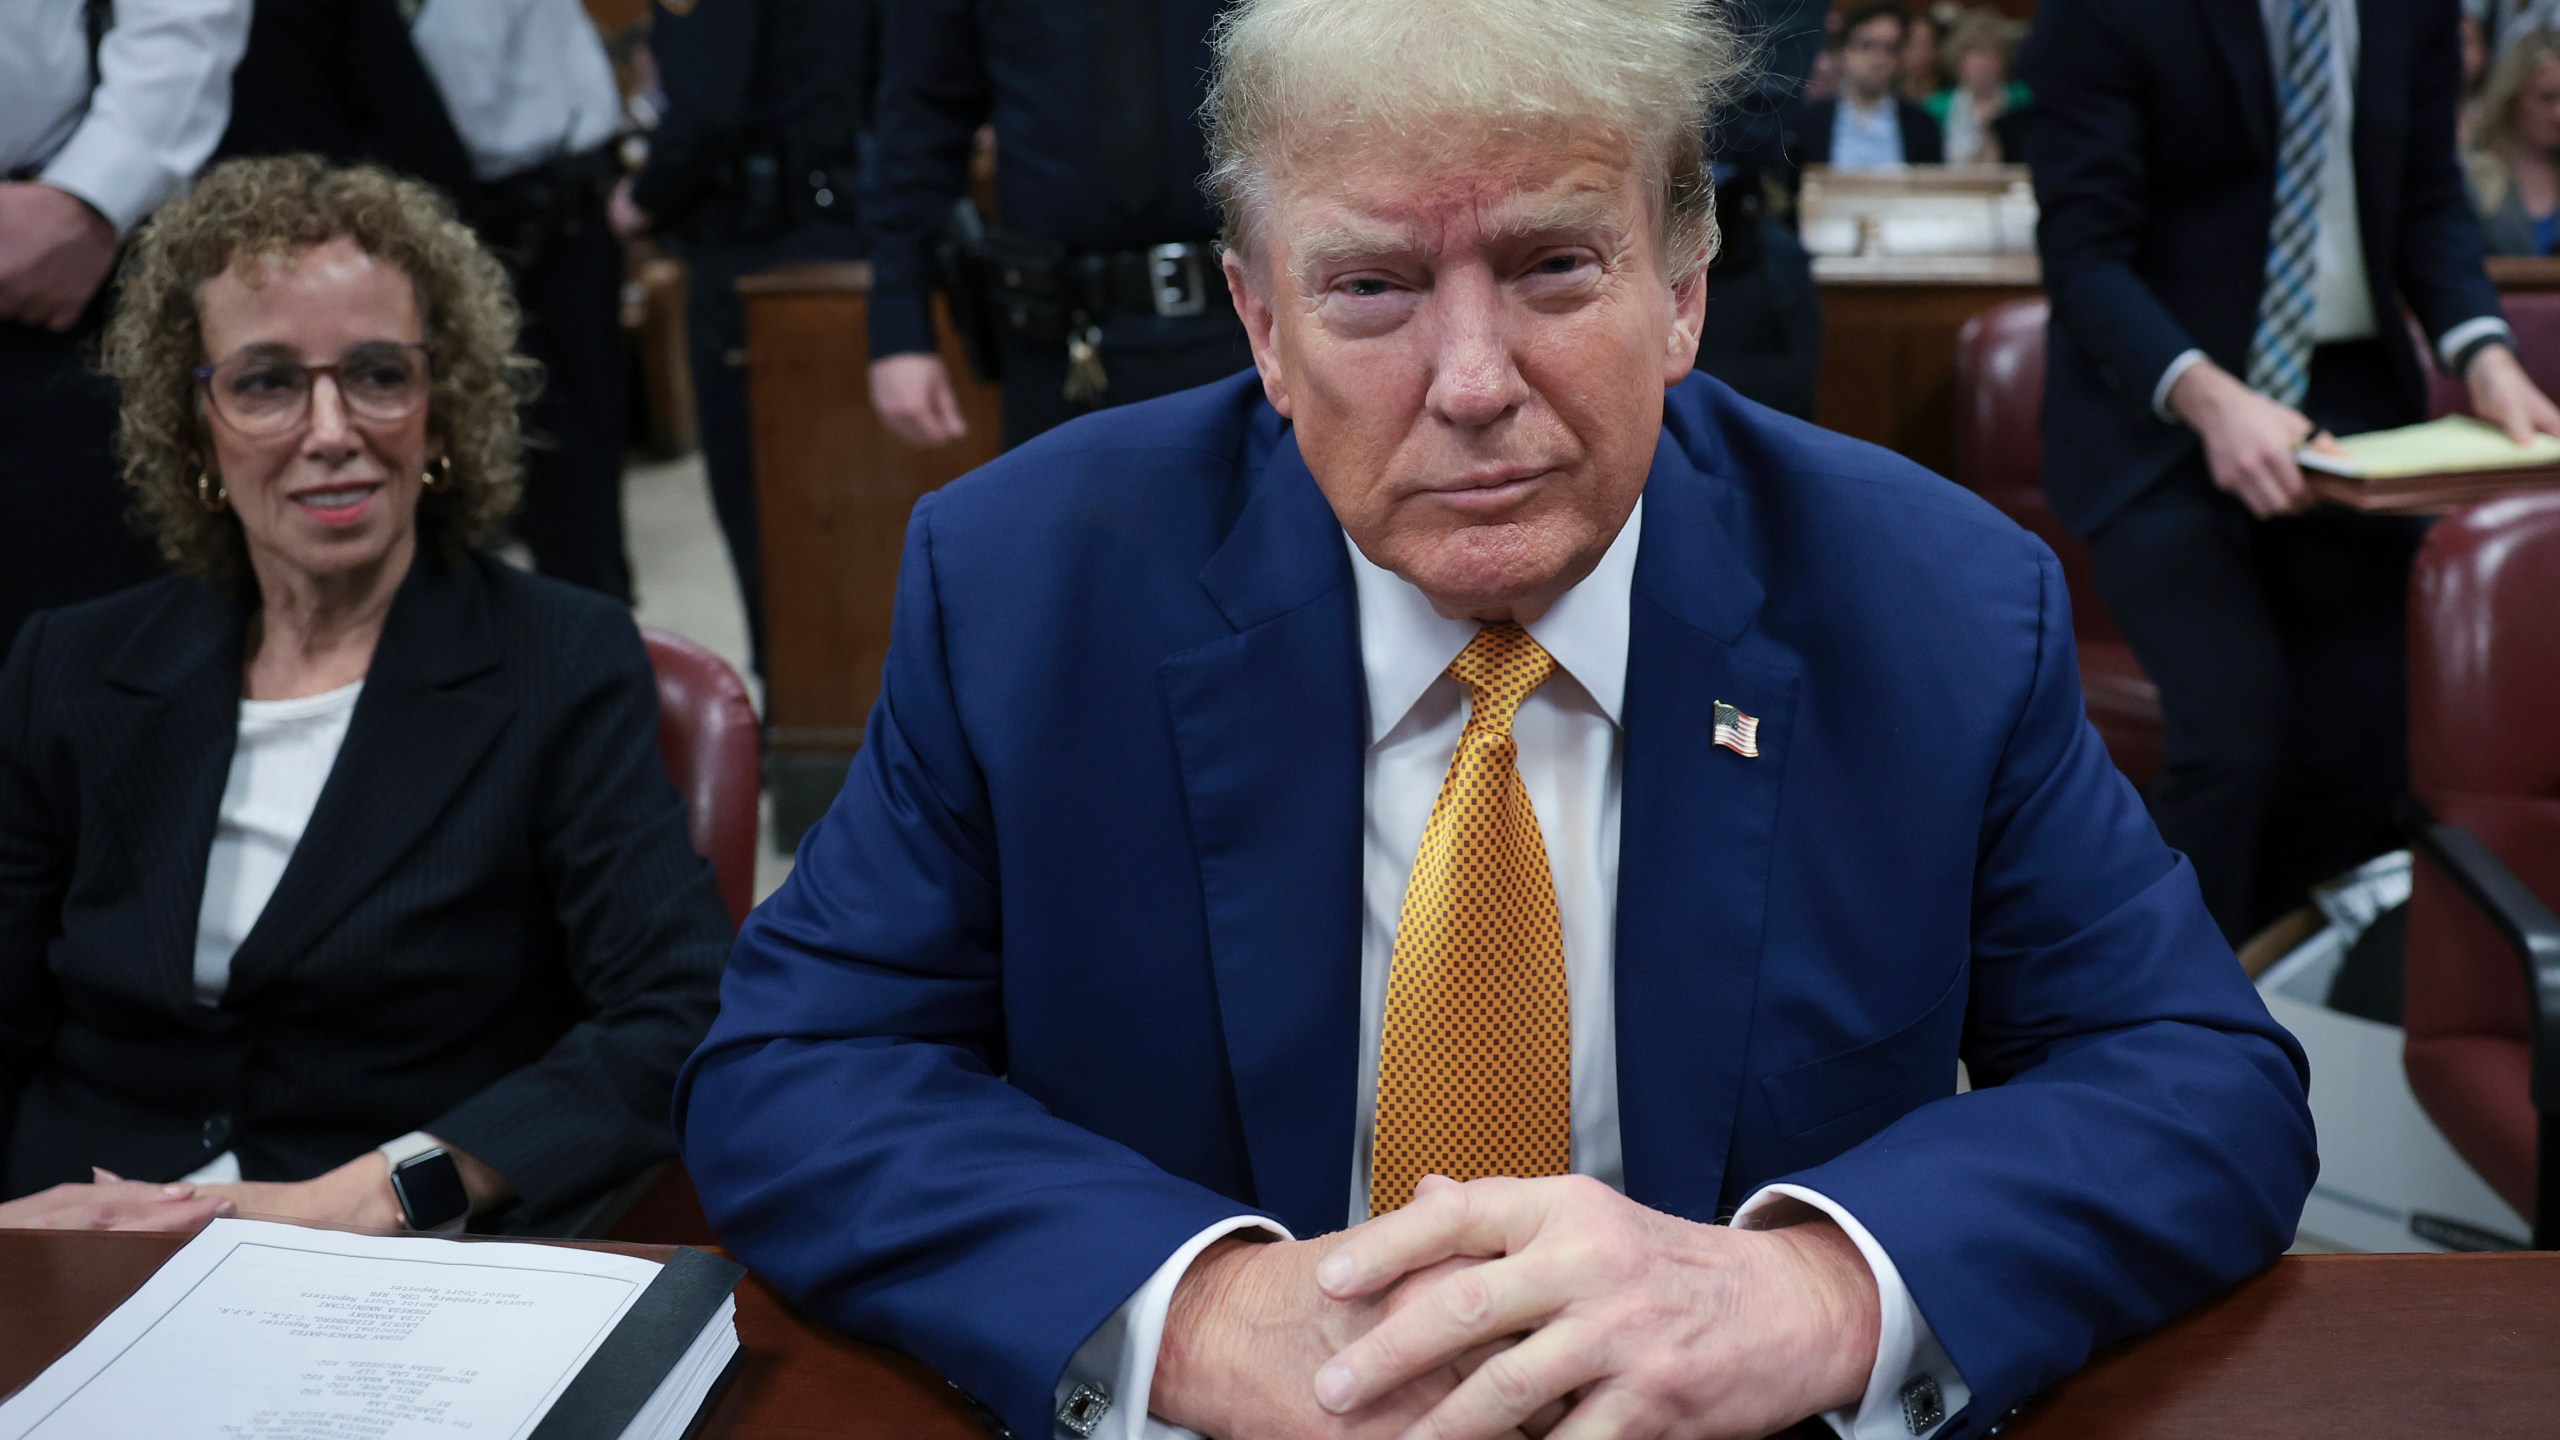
pixel 340 878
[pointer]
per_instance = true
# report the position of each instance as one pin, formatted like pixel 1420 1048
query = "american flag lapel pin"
pixel 1737 732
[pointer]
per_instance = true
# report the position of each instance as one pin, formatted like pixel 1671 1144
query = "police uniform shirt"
pixel 1029 67
pixel 160 97
pixel 526 81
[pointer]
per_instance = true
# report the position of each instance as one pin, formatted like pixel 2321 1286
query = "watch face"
pixel 430 1190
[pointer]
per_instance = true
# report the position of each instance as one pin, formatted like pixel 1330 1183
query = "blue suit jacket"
pixel 1070 971
pixel 2153 143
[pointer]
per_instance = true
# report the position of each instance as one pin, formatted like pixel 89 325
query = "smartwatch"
pixel 428 1186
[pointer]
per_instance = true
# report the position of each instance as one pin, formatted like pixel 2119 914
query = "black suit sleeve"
pixel 34 870
pixel 2086 150
pixel 933 96
pixel 706 59
pixel 645 938
pixel 1923 143
pixel 2440 267
pixel 1807 134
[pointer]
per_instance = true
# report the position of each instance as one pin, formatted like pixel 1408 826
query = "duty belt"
pixel 1041 290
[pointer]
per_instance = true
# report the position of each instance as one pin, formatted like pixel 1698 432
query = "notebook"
pixel 260 1331
pixel 2456 444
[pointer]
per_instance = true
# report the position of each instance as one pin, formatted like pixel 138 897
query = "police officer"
pixel 532 95
pixel 105 111
pixel 1099 275
pixel 755 162
pixel 341 79
pixel 1763 332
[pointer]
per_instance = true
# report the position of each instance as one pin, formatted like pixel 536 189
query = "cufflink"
pixel 1088 1403
pixel 1922 1406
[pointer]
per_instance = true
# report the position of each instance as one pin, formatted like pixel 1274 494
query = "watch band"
pixel 423 1173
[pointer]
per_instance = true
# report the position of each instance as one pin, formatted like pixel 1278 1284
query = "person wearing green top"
pixel 1981 113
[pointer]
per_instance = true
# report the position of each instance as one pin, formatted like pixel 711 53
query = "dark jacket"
pixel 341 80
pixel 2153 150
pixel 494 928
pixel 1809 134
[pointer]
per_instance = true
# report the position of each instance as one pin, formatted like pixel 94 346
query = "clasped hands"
pixel 1503 1308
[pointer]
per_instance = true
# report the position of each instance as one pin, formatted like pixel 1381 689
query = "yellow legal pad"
pixel 2451 445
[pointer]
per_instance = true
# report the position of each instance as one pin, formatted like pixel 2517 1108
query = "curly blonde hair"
pixel 269 209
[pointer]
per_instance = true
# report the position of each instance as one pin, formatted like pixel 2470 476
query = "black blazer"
pixel 494 928
pixel 1808 133
pixel 2153 150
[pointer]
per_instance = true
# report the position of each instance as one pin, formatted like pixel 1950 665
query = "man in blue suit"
pixel 1474 763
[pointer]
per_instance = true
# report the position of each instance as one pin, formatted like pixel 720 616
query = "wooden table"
pixel 2450 1347
pixel 1889 328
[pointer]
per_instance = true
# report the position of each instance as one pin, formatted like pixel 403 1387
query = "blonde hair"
pixel 2485 157
pixel 1981 30
pixel 1292 74
pixel 254 211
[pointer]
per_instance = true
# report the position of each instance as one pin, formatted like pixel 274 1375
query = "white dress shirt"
pixel 2342 297
pixel 1570 761
pixel 282 758
pixel 526 81
pixel 131 135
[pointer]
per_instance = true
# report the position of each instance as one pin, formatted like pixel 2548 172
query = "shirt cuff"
pixel 1913 1376
pixel 2460 337
pixel 112 174
pixel 2186 361
pixel 1117 1362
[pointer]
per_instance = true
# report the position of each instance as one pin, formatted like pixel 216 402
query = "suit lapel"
pixel 1269 725
pixel 415 737
pixel 158 739
pixel 2240 33
pixel 1696 830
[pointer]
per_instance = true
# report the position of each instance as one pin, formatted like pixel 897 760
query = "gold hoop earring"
pixel 210 492
pixel 439 478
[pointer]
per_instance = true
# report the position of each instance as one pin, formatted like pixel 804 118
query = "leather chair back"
pixel 2535 317
pixel 707 732
pixel 2484 753
pixel 2000 456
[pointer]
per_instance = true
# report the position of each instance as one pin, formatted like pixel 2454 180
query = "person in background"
pixel 341 79
pixel 2238 206
pixel 530 90
pixel 104 113
pixel 2514 158
pixel 1098 276
pixel 1763 336
pixel 1982 114
pixel 755 161
pixel 1924 55
pixel 1870 126
pixel 347 851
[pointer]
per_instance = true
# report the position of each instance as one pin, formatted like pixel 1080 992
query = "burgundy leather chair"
pixel 707 732
pixel 1999 392
pixel 2481 987
pixel 2535 317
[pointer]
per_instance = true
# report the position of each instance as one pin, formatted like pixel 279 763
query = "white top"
pixel 2342 298
pixel 131 136
pixel 1570 761
pixel 282 758
pixel 526 81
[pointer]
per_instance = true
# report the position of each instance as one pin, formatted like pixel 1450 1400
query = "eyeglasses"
pixel 259 392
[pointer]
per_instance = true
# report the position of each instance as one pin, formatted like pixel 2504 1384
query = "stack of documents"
pixel 257 1331
pixel 2455 460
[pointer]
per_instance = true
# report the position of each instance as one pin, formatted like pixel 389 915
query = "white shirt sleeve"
pixel 1907 1350
pixel 2187 360
pixel 162 99
pixel 1119 1359
pixel 2463 334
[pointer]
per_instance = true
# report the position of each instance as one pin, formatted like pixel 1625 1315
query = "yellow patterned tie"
pixel 1475 1075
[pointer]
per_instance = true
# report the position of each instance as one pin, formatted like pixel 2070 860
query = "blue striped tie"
pixel 2280 351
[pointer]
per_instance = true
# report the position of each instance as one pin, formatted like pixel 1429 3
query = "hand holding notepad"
pixel 2456 444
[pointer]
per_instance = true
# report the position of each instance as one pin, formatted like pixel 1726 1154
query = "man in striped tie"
pixel 2239 198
